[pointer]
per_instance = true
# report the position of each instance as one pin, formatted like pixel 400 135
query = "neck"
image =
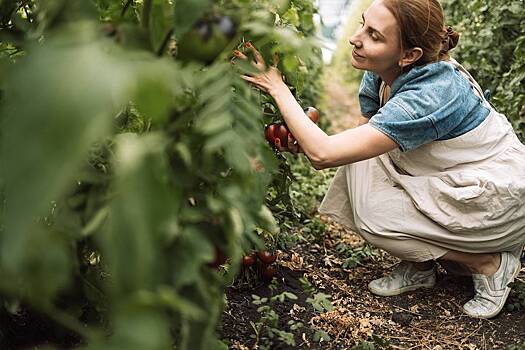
pixel 390 76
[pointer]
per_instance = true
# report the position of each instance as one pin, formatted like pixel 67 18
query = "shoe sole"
pixel 502 304
pixel 391 293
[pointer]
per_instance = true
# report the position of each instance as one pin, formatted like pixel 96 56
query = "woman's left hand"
pixel 269 79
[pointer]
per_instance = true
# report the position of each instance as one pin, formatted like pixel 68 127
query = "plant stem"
pixel 125 8
pixel 146 11
pixel 165 41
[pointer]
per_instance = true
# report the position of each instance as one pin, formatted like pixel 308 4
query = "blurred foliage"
pixel 341 61
pixel 309 187
pixel 492 48
pixel 127 171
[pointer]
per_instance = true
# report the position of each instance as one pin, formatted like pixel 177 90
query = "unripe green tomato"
pixel 206 40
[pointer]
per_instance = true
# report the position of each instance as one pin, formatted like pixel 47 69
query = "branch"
pixel 146 11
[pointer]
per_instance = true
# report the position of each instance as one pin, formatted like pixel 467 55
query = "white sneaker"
pixel 404 278
pixel 491 292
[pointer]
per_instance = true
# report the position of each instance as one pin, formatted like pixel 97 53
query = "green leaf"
pixel 68 111
pixel 154 98
pixel 161 23
pixel 136 327
pixel 43 266
pixel 193 250
pixel 140 214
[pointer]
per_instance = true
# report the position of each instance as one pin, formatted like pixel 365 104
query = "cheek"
pixel 382 54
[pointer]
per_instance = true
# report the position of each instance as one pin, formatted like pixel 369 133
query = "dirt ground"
pixel 424 319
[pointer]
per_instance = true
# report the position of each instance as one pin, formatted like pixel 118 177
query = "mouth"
pixel 356 55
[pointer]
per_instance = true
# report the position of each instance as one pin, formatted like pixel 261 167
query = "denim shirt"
pixel 427 103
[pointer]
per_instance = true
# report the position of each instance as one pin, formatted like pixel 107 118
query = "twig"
pixel 402 309
pixel 470 334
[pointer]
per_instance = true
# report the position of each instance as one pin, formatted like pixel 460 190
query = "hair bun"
pixel 450 40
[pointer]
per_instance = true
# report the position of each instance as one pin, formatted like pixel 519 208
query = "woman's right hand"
pixel 268 79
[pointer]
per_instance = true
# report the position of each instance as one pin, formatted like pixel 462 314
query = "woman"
pixel 433 172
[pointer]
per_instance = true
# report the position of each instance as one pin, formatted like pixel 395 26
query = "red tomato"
pixel 248 260
pixel 269 272
pixel 312 113
pixel 282 133
pixel 269 133
pixel 266 257
pixel 220 258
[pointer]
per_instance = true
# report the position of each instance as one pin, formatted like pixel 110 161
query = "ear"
pixel 410 56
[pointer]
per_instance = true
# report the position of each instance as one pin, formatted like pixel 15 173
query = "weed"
pixel 313 229
pixel 308 288
pixel 353 257
pixel 516 299
pixel 373 343
pixel 320 302
pixel 266 329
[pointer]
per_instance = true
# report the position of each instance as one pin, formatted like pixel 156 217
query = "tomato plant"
pixel 132 175
pixel 492 47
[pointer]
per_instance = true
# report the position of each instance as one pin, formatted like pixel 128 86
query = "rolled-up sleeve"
pixel 397 123
pixel 369 94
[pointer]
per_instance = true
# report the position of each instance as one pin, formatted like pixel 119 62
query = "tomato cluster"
pixel 262 260
pixel 277 134
pixel 266 259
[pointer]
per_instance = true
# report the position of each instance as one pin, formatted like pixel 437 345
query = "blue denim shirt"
pixel 427 103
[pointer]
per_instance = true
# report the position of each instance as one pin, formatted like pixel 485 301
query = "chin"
pixel 357 65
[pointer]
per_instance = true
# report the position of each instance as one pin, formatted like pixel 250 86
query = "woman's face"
pixel 377 43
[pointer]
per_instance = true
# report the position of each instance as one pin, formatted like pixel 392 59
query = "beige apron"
pixel 464 194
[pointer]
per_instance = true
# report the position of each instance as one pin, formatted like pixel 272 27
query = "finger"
pixel 254 82
pixel 249 79
pixel 240 55
pixel 292 144
pixel 259 60
pixel 278 145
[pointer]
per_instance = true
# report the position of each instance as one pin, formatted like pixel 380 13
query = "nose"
pixel 355 40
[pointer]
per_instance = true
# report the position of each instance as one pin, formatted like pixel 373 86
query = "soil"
pixel 423 319
pixel 29 329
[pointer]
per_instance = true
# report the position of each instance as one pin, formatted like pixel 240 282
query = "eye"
pixel 362 23
pixel 373 35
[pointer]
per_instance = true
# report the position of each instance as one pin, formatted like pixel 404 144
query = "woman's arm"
pixel 325 151
pixel 362 121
